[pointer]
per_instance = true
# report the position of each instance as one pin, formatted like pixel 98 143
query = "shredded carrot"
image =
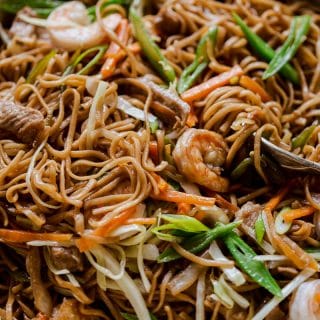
pixel 85 244
pixel 293 214
pixel 134 47
pixel 203 89
pixel 114 53
pixel 251 84
pixel 273 202
pixel 200 215
pixel 184 208
pixel 114 223
pixel 176 196
pixel 141 221
pixel 192 119
pixel 162 184
pixel 17 236
pixel 153 151
pixel 317 298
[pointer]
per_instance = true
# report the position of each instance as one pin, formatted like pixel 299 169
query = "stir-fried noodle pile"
pixel 133 183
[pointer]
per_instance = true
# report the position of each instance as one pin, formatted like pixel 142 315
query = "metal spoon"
pixel 289 160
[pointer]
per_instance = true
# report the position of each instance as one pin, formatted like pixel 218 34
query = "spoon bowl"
pixel 289 160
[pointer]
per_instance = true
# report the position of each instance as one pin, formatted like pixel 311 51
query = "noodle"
pixel 132 130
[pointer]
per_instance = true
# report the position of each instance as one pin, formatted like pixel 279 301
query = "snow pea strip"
pixel 303 137
pixel 199 241
pixel 265 51
pixel 194 70
pixel 40 67
pixel 241 168
pixel 244 257
pixel 42 7
pixel 86 69
pixel 299 28
pixel 260 229
pixel 150 49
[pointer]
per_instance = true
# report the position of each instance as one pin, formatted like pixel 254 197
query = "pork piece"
pixel 168 98
pixel 66 258
pixel 249 213
pixel 25 124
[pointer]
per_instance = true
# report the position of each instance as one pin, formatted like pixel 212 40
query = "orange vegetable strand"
pixel 203 89
pixel 254 86
pixel 293 214
pixel 114 53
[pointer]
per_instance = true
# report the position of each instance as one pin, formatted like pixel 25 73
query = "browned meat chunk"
pixel 66 258
pixel 25 124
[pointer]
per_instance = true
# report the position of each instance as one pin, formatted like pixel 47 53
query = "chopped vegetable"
pixel 233 274
pixel 194 70
pixel 153 151
pixel 284 244
pixel 292 214
pixel 241 168
pixel 150 49
pixel 42 7
pixel 177 196
pixel 281 226
pixel 302 138
pixel 85 244
pixel 299 28
pixel 198 242
pixel 251 84
pixel 185 223
pixel 115 53
pixel 265 51
pixel 86 69
pixel 125 106
pixel 286 291
pixel 154 126
pixel 25 236
pixel 244 257
pixel 92 10
pixel 259 229
pixel 203 89
pixel 40 67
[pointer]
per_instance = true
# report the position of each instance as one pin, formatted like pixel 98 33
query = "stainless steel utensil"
pixel 290 161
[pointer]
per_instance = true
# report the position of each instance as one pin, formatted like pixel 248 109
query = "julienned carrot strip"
pixel 183 208
pixel 282 243
pixel 153 151
pixel 114 223
pixel 218 81
pixel 192 119
pixel 114 53
pixel 178 197
pixel 251 84
pixel 141 221
pixel 85 244
pixel 293 214
pixel 17 236
pixel 289 248
pixel 273 202
pixel 162 184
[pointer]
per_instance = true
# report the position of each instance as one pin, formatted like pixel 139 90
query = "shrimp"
pixel 305 302
pixel 70 28
pixel 199 155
